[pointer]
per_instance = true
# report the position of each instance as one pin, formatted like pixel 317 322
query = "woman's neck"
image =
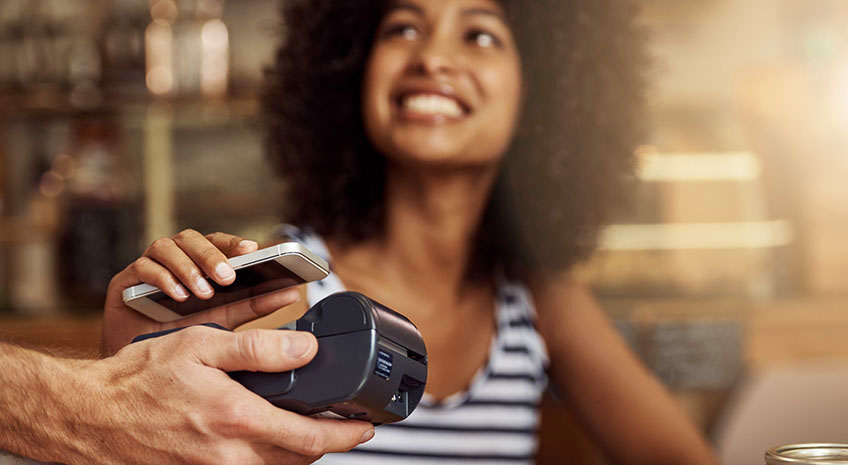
pixel 431 220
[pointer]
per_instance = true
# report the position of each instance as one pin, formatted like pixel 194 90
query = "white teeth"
pixel 431 104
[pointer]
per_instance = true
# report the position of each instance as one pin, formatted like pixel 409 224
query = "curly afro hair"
pixel 583 65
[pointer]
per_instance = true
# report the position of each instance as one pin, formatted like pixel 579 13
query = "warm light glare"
pixel 698 236
pixel 214 35
pixel 215 57
pixel 720 166
pixel 842 94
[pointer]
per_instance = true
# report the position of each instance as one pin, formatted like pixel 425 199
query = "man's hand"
pixel 167 400
pixel 177 265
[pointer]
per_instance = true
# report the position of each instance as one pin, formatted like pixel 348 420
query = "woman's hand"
pixel 178 265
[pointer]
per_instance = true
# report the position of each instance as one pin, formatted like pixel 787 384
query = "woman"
pixel 446 155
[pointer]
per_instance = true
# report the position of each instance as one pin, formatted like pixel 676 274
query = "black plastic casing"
pixel 344 377
pixel 371 364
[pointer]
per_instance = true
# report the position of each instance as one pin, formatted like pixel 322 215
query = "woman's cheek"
pixel 504 90
pixel 386 64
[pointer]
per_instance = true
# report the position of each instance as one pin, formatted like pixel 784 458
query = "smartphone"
pixel 257 273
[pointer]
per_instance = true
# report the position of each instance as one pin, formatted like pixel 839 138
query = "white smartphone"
pixel 257 273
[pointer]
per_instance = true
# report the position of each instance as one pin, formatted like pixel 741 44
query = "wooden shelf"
pixel 187 112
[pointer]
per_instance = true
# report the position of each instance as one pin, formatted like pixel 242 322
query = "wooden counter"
pixel 65 336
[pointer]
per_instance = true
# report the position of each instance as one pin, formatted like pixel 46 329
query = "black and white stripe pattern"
pixel 495 421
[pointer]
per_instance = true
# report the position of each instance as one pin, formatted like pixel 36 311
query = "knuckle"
pixel 161 243
pixel 195 336
pixel 185 234
pixel 314 443
pixel 254 307
pixel 210 253
pixel 251 343
pixel 237 419
pixel 138 265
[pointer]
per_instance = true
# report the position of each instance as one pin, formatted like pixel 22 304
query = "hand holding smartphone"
pixel 257 273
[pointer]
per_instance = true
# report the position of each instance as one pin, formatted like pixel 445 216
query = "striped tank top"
pixel 494 421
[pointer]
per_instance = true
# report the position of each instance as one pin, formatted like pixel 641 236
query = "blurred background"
pixel 125 120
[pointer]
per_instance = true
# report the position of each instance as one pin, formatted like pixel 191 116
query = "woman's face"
pixel 443 83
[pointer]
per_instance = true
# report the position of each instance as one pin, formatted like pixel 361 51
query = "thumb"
pixel 267 350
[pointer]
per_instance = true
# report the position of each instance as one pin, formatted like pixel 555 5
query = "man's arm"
pixel 38 395
pixel 162 401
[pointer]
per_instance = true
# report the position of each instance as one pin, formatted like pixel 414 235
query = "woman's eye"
pixel 483 39
pixel 404 31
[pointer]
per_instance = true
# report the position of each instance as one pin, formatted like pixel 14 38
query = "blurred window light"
pixel 718 166
pixel 165 10
pixel 675 236
pixel 215 57
pixel 160 80
pixel 51 184
pixel 64 165
pixel 158 50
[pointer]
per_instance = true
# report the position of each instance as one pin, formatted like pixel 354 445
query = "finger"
pixel 232 316
pixel 149 271
pixel 253 350
pixel 206 255
pixel 310 437
pixel 231 245
pixel 170 255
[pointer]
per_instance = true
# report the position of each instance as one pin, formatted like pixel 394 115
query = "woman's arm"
pixel 620 403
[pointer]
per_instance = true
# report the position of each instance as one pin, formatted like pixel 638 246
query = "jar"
pixel 808 454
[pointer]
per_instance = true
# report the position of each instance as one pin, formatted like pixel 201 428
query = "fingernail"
pixel 367 436
pixel 224 271
pixel 298 344
pixel 204 286
pixel 245 244
pixel 180 291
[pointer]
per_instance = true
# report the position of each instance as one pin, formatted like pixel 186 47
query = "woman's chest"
pixel 457 349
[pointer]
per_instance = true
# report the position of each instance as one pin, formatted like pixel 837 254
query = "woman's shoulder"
pixel 545 293
pixel 557 291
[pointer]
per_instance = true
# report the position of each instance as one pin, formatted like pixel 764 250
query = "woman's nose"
pixel 435 56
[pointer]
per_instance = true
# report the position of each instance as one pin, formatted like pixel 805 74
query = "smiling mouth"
pixel 429 106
